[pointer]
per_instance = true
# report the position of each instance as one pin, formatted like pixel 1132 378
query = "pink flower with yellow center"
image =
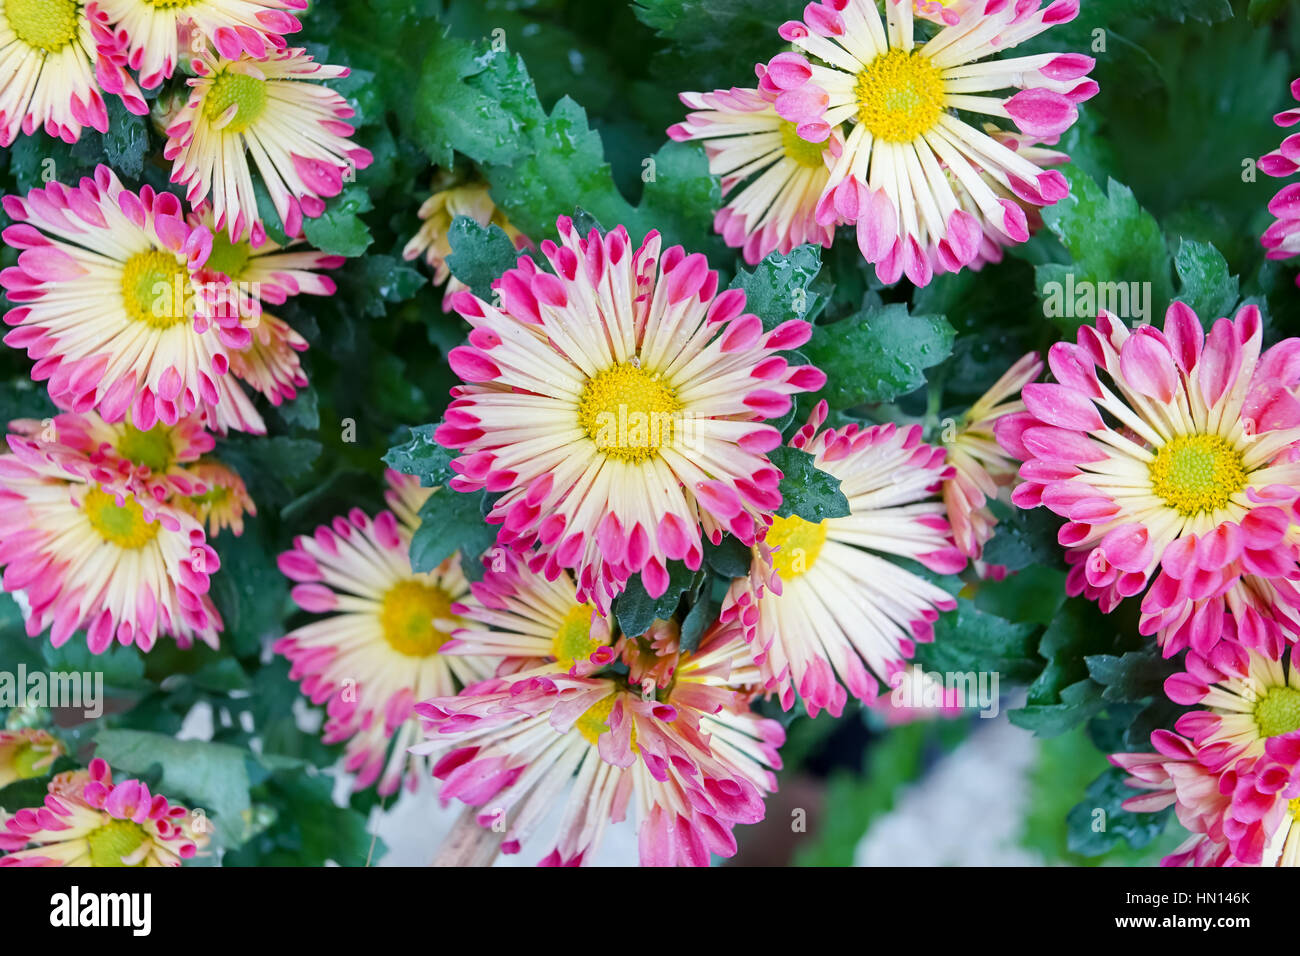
pixel 108 303
pixel 375 649
pixel 110 562
pixel 98 823
pixel 59 58
pixel 980 467
pixel 618 406
pixel 150 31
pixel 824 604
pixel 1282 238
pixel 26 754
pixel 692 757
pixel 222 503
pixel 437 213
pixel 294 128
pixel 906 143
pixel 533 626
pixel 780 175
pixel 1165 451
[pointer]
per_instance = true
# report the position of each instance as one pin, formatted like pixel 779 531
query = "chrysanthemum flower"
pixel 850 67
pixel 436 215
pixel 1164 452
pixel 149 30
pixel 531 625
pixel 376 650
pixel 59 57
pixel 223 502
pixel 830 605
pixel 155 464
pixel 980 467
pixel 99 823
pixel 693 757
pixel 781 176
pixel 618 405
pixel 1282 238
pixel 108 305
pixel 115 564
pixel 946 12
pixel 294 129
pixel 27 753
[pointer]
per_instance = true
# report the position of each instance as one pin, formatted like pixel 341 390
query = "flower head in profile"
pixel 771 177
pixel 87 556
pixel 91 821
pixel 824 604
pixel 59 59
pixel 27 753
pixel 1167 453
pixel 1282 238
pixel 905 145
pixel 433 240
pixel 373 650
pixel 223 500
pixel 109 305
pixel 150 33
pixel 294 129
pixel 980 467
pixel 691 758
pixel 618 406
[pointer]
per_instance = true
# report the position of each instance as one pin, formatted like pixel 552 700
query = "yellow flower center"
pixel 228 258
pixel 25 759
pixel 900 96
pixel 806 154
pixel 1196 473
pixel 248 93
pixel 628 412
pixel 122 525
pixel 153 448
pixel 1278 711
pixel 156 289
pixel 115 840
pixel 166 4
pixel 47 25
pixel 573 641
pixel 1294 808
pixel 410 617
pixel 799 543
pixel 593 722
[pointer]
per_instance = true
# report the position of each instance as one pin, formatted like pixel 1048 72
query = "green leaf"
pixel 1033 594
pixel 479 255
pixel 1132 676
pixel 807 492
pixel 780 287
pixel 729 558
pixel 1093 833
pixel 969 639
pixel 877 355
pixel 1261 11
pixel 340 230
pixel 122 667
pixel 451 522
pixel 1204 283
pixel 635 610
pixel 422 457
pixel 249 590
pixel 1024 538
pixel 201 774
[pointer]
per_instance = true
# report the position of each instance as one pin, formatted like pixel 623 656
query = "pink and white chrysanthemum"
pixel 122 459
pixel 901 98
pixel 108 304
pixel 618 406
pixel 981 468
pixel 1173 775
pixel 99 823
pixel 294 128
pixel 781 176
pixel 59 59
pixel 1282 238
pixel 27 753
pixel 1166 451
pixel 223 502
pixel 693 757
pixel 85 557
pixel 533 626
pixel 151 32
pixel 437 213
pixel 823 603
pixel 374 652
